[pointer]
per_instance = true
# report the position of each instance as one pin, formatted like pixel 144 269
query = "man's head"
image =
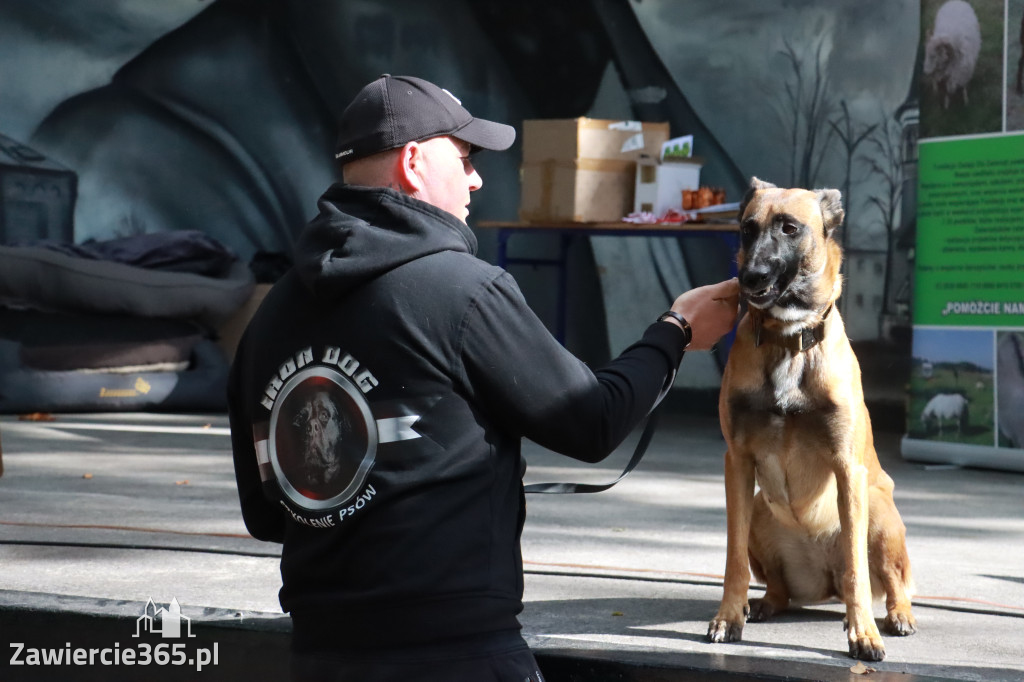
pixel 409 134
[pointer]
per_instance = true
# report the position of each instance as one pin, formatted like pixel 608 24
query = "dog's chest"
pixel 784 383
pixel 799 490
pixel 783 427
pixel 782 387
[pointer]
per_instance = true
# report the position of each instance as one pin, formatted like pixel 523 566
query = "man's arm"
pixel 530 385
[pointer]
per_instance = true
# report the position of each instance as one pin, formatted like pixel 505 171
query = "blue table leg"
pixel 563 289
pixel 503 236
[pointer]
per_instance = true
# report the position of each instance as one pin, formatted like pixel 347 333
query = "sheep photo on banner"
pixel 962 84
pixel 966 393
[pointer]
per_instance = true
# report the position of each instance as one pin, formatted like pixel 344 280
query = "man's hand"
pixel 711 311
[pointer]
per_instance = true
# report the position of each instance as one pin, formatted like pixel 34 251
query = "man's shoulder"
pixel 460 266
pixel 458 278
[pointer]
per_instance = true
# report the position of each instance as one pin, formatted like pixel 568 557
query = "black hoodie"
pixel 377 402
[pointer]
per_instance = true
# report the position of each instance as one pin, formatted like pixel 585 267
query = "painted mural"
pixel 217 116
pixel 807 94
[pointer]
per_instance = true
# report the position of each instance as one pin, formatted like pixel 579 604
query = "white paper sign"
pixel 633 142
pixel 628 126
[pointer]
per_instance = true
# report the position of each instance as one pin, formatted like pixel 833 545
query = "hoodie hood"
pixel 363 232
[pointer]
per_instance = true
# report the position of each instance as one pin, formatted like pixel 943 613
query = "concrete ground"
pixel 99 513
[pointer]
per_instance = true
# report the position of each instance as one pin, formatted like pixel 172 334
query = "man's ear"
pixel 410 168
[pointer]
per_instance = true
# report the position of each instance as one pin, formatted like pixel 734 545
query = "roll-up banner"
pixel 966 392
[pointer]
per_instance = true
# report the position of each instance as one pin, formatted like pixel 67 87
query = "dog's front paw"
pixel 726 628
pixel 724 631
pixel 899 624
pixel 867 648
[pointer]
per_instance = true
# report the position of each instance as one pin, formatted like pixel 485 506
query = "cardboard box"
pixel 660 185
pixel 583 169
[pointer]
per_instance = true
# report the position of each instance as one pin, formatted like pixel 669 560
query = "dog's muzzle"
pixel 762 283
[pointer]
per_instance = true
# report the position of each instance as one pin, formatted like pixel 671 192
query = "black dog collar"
pixel 805 339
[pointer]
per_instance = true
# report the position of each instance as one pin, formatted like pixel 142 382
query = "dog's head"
pixel 319 424
pixel 788 259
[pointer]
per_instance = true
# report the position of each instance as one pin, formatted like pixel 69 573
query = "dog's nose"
pixel 756 277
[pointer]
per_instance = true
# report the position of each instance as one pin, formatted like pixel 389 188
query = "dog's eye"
pixel 790 228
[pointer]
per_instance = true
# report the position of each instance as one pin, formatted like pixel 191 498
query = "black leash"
pixel 565 488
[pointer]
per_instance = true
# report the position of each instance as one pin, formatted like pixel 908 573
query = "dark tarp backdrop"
pixel 218 117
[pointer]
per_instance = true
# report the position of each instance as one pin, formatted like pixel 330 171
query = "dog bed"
pixel 197 384
pixel 123 325
pixel 52 279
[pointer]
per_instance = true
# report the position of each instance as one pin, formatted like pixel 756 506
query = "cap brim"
pixel 486 134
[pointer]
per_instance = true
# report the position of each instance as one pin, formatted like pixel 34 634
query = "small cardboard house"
pixel 660 184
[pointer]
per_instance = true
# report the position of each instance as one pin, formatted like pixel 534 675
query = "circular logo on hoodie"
pixel 322 438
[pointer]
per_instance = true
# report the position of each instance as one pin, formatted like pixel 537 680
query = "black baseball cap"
pixel 394 110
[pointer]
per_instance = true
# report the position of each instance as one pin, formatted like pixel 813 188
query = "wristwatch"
pixel 681 320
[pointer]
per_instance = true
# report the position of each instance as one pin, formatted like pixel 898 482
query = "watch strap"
pixel 681 320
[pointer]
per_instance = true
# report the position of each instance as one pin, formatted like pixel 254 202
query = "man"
pixel 409 567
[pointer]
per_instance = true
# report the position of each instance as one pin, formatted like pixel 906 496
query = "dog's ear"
pixel 755 184
pixel 831 201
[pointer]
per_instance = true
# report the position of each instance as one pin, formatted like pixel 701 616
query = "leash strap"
pixel 638 454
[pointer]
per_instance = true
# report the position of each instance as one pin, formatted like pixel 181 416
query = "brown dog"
pixel 823 524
